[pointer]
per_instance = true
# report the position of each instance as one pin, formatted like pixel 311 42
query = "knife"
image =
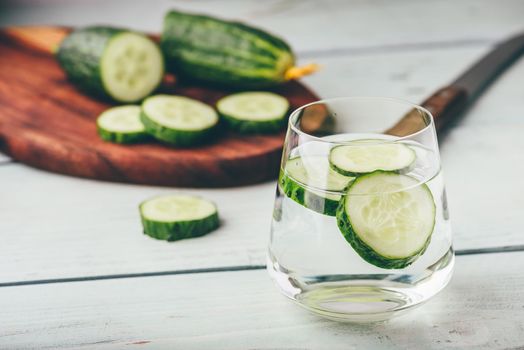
pixel 447 103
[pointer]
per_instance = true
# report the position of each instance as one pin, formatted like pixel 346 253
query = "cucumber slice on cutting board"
pixel 366 156
pixel 178 120
pixel 387 218
pixel 112 62
pixel 254 112
pixel 175 217
pixel 121 125
pixel 310 182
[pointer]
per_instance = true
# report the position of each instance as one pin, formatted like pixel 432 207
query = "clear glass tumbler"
pixel 360 228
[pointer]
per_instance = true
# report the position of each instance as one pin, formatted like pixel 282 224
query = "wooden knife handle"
pixel 444 105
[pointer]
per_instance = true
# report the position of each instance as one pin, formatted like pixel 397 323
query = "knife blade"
pixel 489 67
pixel 450 101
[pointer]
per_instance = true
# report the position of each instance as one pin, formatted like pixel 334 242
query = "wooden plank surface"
pixel 411 74
pixel 83 227
pixel 482 308
pixel 4 158
pixel 77 227
pixel 344 24
pixel 54 227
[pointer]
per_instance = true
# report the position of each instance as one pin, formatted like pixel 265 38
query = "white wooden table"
pixel 76 271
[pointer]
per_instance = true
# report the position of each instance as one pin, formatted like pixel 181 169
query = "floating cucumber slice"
pixel 121 125
pixel 306 180
pixel 112 62
pixel 175 217
pixel 366 156
pixel 387 218
pixel 178 120
pixel 254 112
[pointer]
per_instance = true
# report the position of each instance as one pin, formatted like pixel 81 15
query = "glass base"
pixel 363 298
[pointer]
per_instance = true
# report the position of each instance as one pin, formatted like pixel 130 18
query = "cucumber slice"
pixel 132 67
pixel 112 62
pixel 306 180
pixel 366 156
pixel 175 217
pixel 178 120
pixel 121 125
pixel 387 218
pixel 254 112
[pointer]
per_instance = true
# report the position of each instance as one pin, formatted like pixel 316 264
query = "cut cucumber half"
pixel 175 217
pixel 366 156
pixel 112 62
pixel 310 182
pixel 121 125
pixel 178 120
pixel 387 218
pixel 254 112
pixel 131 67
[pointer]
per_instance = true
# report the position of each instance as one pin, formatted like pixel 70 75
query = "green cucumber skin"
pixel 80 54
pixel 355 174
pixel 174 231
pixel 123 138
pixel 365 251
pixel 306 198
pixel 182 138
pixel 254 127
pixel 204 48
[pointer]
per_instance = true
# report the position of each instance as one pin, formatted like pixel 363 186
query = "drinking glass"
pixel 360 228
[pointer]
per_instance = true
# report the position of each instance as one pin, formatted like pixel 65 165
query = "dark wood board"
pixel 47 123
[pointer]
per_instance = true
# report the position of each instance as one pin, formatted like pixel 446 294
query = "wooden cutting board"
pixel 47 123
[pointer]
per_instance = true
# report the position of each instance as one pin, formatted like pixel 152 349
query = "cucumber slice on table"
pixel 306 180
pixel 366 156
pixel 175 217
pixel 387 218
pixel 111 62
pixel 121 125
pixel 254 112
pixel 178 120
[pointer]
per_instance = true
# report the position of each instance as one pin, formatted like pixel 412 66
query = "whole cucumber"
pixel 226 53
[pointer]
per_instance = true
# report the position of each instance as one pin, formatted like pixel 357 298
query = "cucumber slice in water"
pixel 310 182
pixel 178 120
pixel 366 156
pixel 254 112
pixel 175 217
pixel 121 125
pixel 112 62
pixel 387 218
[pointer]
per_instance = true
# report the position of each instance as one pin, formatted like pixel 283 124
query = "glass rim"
pixel 292 122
